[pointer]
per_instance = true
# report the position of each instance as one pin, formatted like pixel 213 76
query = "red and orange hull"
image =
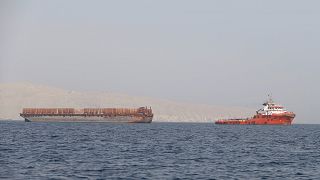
pixel 276 119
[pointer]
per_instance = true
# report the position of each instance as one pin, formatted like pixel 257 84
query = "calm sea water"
pixel 158 151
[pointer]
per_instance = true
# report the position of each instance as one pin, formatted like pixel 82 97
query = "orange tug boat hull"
pixel 270 114
pixel 261 120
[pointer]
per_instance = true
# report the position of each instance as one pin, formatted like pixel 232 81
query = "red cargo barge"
pixel 270 114
pixel 124 115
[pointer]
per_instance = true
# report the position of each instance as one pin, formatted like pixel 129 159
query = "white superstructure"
pixel 269 108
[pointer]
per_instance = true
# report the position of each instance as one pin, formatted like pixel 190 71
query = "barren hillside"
pixel 15 96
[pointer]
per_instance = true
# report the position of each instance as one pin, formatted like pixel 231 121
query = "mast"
pixel 270 100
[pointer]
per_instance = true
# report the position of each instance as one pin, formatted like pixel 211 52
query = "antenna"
pixel 270 98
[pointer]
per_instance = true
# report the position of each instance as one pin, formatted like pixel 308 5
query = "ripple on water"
pixel 158 151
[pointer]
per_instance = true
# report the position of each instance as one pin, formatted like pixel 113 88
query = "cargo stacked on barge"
pixel 270 114
pixel 115 115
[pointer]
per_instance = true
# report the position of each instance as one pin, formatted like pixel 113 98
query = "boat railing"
pixel 235 119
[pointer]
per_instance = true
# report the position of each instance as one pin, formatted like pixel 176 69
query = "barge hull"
pixel 113 115
pixel 116 119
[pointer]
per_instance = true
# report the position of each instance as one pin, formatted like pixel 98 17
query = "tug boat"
pixel 270 114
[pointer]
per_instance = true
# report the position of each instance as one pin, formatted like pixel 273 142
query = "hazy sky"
pixel 212 52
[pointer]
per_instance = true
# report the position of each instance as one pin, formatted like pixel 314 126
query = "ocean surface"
pixel 158 151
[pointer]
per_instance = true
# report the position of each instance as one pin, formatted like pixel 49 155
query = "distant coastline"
pixel 15 96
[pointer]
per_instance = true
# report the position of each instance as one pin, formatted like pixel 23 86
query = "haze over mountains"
pixel 15 96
